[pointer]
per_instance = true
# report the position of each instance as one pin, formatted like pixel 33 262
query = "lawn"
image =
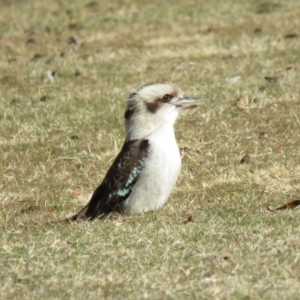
pixel 66 69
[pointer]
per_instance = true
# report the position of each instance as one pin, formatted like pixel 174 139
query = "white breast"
pixel 159 175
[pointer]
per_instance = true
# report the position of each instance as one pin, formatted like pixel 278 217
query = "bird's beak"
pixel 188 102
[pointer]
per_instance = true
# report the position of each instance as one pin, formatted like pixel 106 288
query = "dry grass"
pixel 66 69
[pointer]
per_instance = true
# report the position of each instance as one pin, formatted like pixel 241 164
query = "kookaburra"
pixel 144 173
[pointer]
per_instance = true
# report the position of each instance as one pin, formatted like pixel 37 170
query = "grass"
pixel 66 70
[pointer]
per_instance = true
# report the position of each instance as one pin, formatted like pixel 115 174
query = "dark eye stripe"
pixel 154 106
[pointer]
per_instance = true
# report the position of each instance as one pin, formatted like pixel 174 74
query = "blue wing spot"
pixel 136 170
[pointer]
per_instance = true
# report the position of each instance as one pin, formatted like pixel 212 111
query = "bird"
pixel 145 171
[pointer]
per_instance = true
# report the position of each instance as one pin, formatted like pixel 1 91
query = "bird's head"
pixel 155 105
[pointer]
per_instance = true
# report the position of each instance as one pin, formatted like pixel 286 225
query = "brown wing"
pixel 118 182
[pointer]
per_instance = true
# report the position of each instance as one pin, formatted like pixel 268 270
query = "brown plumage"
pixel 118 183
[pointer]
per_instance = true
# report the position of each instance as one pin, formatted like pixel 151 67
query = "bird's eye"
pixel 167 98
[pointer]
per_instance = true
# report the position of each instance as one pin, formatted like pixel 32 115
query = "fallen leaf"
pixel 74 137
pixel 262 135
pixel 291 205
pixel 245 159
pixel 239 103
pixel 71 40
pixel 30 41
pixel 257 30
pixel 77 73
pixel 69 12
pixel 37 56
pixel 92 4
pixel 292 36
pixel 44 98
pixel 271 79
pixel 188 220
pixel 76 193
pixel 224 256
pixel 75 26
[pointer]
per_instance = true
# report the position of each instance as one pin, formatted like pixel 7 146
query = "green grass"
pixel 66 69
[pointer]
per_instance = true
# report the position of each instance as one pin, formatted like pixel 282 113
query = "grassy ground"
pixel 66 68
